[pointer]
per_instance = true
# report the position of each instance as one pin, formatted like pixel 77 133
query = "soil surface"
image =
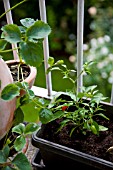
pixel 96 145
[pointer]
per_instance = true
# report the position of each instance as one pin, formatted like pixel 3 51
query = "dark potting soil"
pixel 17 70
pixel 95 145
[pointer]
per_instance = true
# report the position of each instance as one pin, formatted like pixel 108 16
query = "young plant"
pixel 15 140
pixel 16 145
pixel 80 109
pixel 85 105
pixel 29 37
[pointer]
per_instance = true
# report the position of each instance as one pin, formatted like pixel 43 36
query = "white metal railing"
pixel 10 21
pixel 42 7
pixel 80 27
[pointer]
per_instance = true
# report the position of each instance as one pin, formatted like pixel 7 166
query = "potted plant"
pixel 76 129
pixel 29 38
pixel 14 133
pixel 15 88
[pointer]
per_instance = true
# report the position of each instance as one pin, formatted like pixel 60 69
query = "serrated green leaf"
pixel 19 143
pixel 30 128
pixel 22 85
pixel 19 128
pixel 31 53
pixel 27 22
pixel 11 33
pixel 22 162
pixel 10 92
pixel 38 30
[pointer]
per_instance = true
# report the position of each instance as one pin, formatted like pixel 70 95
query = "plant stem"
pixel 13 8
pixel 6 51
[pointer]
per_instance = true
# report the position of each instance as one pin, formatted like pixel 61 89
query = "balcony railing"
pixel 48 92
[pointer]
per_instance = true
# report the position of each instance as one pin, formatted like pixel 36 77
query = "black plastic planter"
pixel 37 161
pixel 58 156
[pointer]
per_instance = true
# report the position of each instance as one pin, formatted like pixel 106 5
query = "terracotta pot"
pixel 7 108
pixel 30 79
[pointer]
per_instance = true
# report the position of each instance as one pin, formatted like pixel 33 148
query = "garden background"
pixel 98 39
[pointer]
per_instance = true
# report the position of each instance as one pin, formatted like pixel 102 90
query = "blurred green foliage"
pixel 62 17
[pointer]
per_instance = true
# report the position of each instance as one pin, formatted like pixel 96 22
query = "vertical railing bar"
pixel 111 95
pixel 46 47
pixel 80 28
pixel 10 21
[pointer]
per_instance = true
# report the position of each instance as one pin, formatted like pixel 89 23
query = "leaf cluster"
pixel 19 128
pixel 29 37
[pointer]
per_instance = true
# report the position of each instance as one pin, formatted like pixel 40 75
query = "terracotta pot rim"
pixel 33 72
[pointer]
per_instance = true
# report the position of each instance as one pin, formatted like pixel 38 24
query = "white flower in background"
pixel 104 51
pixel 110 80
pixel 94 43
pixel 72 59
pixel 101 40
pixel 92 10
pixel 104 75
pixel 85 47
pixel 91 57
pixel 110 56
pixel 111 73
pixel 100 65
pixel 107 38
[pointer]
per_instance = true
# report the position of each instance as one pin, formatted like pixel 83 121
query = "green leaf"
pixel 27 22
pixel 19 128
pixel 2 157
pixel 11 33
pixel 45 116
pixel 25 99
pixel 22 85
pixel 102 128
pixel 93 129
pixel 31 53
pixel 19 116
pixel 10 92
pixel 6 150
pixel 52 69
pixel 98 98
pixel 102 115
pixel 51 61
pixel 57 115
pixel 19 143
pixel 22 162
pixel 80 95
pixel 2 44
pixel 90 88
pixel 59 62
pixel 38 30
pixel 31 127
